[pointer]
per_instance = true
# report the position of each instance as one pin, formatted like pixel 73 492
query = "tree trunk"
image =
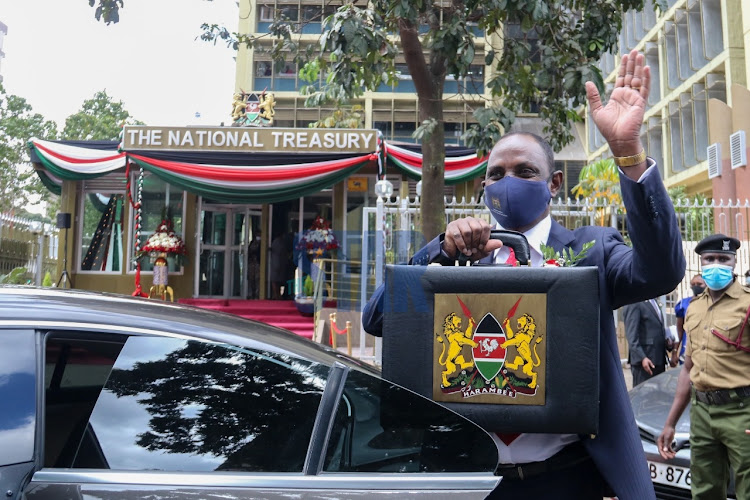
pixel 429 80
pixel 433 170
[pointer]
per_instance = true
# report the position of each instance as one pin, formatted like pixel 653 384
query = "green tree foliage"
pixel 17 276
pixel 343 117
pixel 100 118
pixel 693 213
pixel 19 185
pixel 543 53
pixel 599 181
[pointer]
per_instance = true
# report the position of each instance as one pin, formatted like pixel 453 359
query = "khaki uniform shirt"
pixel 717 364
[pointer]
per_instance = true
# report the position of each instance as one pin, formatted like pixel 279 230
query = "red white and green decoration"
pixel 457 168
pixel 240 181
pixel 319 239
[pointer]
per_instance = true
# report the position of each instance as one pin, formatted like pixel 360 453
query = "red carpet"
pixel 281 313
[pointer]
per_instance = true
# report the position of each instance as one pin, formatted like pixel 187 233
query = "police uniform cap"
pixel 718 243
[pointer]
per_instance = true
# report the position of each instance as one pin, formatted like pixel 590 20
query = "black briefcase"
pixel 515 349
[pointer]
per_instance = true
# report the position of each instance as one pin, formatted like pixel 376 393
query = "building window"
pixel 289 13
pixel 101 231
pixel 159 200
pixel 263 69
pixel 287 70
pixel 402 131
pixel 265 13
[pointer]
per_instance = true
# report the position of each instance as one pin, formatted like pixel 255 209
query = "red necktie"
pixel 507 438
pixel 511 260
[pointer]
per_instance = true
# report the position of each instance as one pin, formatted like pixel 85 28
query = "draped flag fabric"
pixel 257 184
pixel 230 181
pixel 457 168
pixel 237 177
pixel 73 163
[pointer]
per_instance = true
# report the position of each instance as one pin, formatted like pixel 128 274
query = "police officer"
pixel 717 364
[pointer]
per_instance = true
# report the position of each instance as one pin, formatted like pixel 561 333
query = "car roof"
pixel 46 307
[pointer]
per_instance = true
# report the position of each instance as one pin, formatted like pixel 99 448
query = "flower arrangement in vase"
pixel 319 239
pixel 164 241
pixel 159 246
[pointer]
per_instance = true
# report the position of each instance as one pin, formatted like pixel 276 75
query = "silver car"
pixel 107 396
pixel 651 403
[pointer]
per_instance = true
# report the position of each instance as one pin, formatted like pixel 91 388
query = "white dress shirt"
pixel 531 447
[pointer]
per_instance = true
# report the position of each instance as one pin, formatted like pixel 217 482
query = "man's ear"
pixel 555 182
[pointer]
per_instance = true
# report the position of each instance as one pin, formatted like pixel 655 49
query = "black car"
pixel 109 396
pixel 651 403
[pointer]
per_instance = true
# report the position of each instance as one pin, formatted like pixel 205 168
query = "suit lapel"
pixel 657 314
pixel 559 237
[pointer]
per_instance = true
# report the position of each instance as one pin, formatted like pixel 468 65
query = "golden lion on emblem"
pixel 451 357
pixel 522 341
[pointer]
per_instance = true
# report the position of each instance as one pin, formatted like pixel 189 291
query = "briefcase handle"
pixel 512 239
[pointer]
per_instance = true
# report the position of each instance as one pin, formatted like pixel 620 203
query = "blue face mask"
pixel 717 276
pixel 515 203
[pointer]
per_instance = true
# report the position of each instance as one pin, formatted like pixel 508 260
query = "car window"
pixel 185 405
pixel 382 427
pixel 75 370
pixel 17 385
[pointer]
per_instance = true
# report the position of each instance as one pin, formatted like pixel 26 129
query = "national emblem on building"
pixel 252 109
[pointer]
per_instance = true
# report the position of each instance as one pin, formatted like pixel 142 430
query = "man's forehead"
pixel 518 147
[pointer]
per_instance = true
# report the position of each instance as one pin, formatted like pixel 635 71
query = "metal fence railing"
pixel 28 246
pixel 394 232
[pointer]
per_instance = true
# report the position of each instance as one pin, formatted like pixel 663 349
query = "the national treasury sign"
pixel 490 348
pixel 241 139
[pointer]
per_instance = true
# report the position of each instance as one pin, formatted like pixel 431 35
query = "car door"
pixel 133 416
pixel 18 415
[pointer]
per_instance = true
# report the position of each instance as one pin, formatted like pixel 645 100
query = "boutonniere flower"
pixel 566 258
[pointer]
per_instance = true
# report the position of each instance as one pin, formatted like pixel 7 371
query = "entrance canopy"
pixel 240 165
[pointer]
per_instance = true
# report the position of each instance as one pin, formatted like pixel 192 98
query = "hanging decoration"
pixel 243 178
pixel 104 252
pixel 253 184
pixel 137 218
pixel 457 168
pixel 73 163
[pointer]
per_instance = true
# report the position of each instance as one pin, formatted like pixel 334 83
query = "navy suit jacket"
pixel 653 266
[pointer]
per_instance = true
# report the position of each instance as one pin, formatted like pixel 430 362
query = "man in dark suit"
pixel 521 180
pixel 646 340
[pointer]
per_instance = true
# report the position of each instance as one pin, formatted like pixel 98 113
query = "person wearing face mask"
pixel 697 285
pixel 715 378
pixel 520 181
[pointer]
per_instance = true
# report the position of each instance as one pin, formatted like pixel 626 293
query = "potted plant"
pixel 305 302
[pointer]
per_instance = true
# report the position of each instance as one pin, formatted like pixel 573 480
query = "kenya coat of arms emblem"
pixel 492 360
